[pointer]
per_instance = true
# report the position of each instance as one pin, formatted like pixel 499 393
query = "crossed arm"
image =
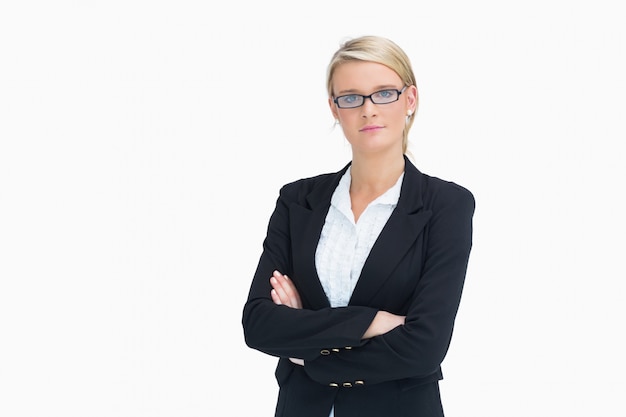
pixel 284 292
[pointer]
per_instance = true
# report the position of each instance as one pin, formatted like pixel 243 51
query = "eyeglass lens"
pixel 357 100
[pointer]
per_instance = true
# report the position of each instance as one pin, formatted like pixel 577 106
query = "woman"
pixel 362 270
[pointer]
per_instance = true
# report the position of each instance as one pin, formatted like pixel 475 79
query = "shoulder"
pixel 311 191
pixel 440 191
pixel 306 185
pixel 437 193
pixel 446 198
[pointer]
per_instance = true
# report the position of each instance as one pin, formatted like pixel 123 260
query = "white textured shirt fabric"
pixel 345 245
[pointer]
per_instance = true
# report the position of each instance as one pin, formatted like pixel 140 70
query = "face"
pixel 371 127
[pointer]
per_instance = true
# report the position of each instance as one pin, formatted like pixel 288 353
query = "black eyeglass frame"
pixel 336 99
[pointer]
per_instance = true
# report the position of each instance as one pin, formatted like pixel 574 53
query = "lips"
pixel 370 128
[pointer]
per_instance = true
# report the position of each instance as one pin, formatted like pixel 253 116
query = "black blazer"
pixel 416 268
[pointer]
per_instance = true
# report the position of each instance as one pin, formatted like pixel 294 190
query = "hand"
pixel 284 292
pixel 383 322
pixel 297 361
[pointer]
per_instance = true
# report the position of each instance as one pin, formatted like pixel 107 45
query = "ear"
pixel 412 98
pixel 333 108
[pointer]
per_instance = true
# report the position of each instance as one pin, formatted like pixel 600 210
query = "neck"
pixel 375 173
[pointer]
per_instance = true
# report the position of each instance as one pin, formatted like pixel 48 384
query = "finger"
pixel 290 291
pixel 279 292
pixel 275 298
pixel 281 282
pixel 286 290
pixel 297 361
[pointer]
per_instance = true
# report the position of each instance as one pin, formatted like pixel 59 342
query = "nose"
pixel 368 109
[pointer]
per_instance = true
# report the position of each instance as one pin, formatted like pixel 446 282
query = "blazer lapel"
pixel 306 223
pixel 402 229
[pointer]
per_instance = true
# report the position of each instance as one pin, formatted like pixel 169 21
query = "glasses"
pixel 351 101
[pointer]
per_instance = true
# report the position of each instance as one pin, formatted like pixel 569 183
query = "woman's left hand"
pixel 284 292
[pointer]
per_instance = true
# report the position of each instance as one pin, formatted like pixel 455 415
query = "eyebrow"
pixel 377 88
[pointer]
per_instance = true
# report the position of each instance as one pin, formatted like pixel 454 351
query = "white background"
pixel 142 146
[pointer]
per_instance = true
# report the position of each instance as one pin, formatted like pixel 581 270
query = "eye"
pixel 349 99
pixel 385 93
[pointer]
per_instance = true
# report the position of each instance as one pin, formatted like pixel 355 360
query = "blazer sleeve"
pixel 416 349
pixel 282 331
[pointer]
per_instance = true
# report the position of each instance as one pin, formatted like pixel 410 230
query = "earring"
pixel 409 113
pixel 337 121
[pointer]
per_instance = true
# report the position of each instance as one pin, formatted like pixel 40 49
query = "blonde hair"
pixel 382 51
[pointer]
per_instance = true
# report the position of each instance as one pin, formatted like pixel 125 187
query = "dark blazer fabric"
pixel 416 268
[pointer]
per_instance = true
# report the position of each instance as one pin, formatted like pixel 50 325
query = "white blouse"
pixel 345 245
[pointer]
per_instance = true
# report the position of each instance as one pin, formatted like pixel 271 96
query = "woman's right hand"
pixel 383 322
pixel 284 292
